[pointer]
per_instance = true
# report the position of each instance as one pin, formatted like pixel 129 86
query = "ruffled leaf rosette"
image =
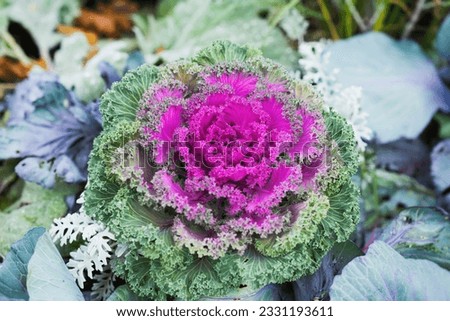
pixel 219 172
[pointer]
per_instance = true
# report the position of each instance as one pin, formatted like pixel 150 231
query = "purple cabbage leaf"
pixel 51 129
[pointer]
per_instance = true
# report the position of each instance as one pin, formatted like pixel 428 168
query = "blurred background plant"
pixel 27 40
pixel 338 19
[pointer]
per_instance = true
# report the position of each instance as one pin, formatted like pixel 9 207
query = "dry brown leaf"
pixel 69 30
pixel 108 19
pixel 92 52
pixel 12 70
pixel 40 62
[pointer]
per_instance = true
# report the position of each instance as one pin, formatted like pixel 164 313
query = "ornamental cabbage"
pixel 218 172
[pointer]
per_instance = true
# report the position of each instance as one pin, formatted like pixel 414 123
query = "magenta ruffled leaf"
pixel 233 144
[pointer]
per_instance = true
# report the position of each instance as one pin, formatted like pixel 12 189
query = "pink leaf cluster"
pixel 227 155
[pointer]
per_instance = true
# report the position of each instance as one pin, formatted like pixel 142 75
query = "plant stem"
pixel 359 20
pixel 328 20
pixel 414 18
pixel 378 12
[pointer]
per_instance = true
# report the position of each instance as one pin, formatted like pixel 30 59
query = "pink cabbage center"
pixel 228 155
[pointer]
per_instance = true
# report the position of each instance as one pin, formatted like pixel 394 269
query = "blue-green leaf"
pixel 48 277
pixel 14 270
pixel 440 165
pixel 401 87
pixel 384 275
pixel 34 270
pixel 443 39
pixel 421 233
